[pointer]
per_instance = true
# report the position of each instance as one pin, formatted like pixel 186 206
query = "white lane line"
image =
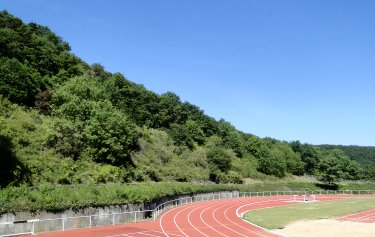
pixel 214 205
pixel 132 233
pixel 222 224
pixel 174 220
pixel 226 226
pixel 253 231
pixel 353 216
pixel 192 224
pixel 209 226
pixel 267 230
pixel 362 218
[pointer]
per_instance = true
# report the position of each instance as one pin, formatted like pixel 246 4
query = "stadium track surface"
pixel 210 218
pixel 365 217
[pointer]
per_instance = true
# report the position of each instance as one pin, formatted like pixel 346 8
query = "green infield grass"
pixel 279 217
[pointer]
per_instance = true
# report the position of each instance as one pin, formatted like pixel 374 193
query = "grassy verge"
pixel 279 217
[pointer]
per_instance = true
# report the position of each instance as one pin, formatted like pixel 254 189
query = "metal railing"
pixel 68 223
pixel 307 192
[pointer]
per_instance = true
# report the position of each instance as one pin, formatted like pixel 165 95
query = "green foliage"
pixel 109 135
pixel 294 164
pixel 54 198
pixel 32 57
pixel 195 132
pixel 77 98
pixel 246 166
pixel 273 164
pixel 104 133
pixel 181 135
pixel 330 170
pixel 220 163
pixel 219 159
pixel 363 154
pixel 231 137
pixel 335 166
pixel 18 82
pixel 141 105
pixel 310 155
pixel 12 171
pixel 65 137
pixel 158 159
pixel 232 177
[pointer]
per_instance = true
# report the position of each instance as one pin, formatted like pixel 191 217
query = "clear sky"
pixel 292 70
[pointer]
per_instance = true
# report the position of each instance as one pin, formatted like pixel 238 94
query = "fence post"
pixel 63 224
pixel 135 217
pixel 33 228
pixel 90 222
pixel 113 218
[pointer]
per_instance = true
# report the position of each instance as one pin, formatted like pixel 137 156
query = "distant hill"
pixel 364 155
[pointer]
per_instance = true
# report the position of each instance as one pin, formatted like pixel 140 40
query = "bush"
pixel 54 198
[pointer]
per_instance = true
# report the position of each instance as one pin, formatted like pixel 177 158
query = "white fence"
pixel 307 192
pixel 68 223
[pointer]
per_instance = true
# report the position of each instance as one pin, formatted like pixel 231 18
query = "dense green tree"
pixel 18 82
pixel 231 138
pixel 219 162
pixel 141 105
pixel 66 137
pixel 110 136
pixel 256 147
pixel 335 165
pixel 77 98
pixel 32 58
pixel 219 159
pixel 310 155
pixel 181 135
pixel 195 131
pixel 294 164
pixel 365 155
pixel 169 107
pixel 273 164
pixel 369 172
pixel 330 171
pixel 97 71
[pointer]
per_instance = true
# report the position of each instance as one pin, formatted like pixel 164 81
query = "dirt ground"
pixel 328 228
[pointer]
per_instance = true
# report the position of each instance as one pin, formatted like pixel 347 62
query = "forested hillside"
pixel 365 155
pixel 66 122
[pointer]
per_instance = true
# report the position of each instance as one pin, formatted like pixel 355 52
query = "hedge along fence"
pixel 54 198
pixel 58 198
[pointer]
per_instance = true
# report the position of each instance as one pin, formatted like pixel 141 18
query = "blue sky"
pixel 291 70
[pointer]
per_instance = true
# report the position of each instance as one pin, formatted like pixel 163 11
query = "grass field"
pixel 279 217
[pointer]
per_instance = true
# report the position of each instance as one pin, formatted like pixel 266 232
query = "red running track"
pixel 365 217
pixel 210 218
